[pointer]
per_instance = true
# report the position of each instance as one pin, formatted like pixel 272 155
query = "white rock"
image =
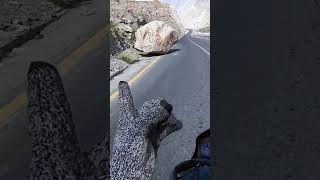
pixel 124 27
pixel 155 37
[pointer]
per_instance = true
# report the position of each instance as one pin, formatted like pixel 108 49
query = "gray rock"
pixel 124 28
pixel 39 36
pixel 142 20
pixel 121 37
pixel 155 37
pixel 57 9
pixel 142 12
pixel 17 22
pixel 16 3
pixel 21 28
pixel 127 20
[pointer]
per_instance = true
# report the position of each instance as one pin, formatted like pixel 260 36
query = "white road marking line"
pixel 208 53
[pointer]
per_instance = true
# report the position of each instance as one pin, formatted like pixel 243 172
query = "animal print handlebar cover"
pixel 56 152
pixel 138 136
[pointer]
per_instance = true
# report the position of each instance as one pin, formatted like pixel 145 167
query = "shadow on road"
pixel 157 54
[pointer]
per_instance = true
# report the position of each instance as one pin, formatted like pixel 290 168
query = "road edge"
pixel 18 102
pixel 136 76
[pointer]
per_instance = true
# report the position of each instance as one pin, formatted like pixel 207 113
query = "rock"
pixel 39 36
pixel 127 20
pixel 114 20
pixel 57 9
pixel 15 3
pixel 17 22
pixel 21 28
pixel 138 13
pixel 155 37
pixel 118 43
pixel 124 28
pixel 121 35
pixel 142 20
pixel 129 36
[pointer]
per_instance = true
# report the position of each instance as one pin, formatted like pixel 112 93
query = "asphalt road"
pixel 266 87
pixel 183 79
pixel 86 89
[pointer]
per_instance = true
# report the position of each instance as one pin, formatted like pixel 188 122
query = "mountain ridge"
pixel 193 14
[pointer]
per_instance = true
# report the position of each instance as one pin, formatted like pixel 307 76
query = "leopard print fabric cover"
pixel 138 136
pixel 55 148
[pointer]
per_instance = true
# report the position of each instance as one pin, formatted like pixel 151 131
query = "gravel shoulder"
pixel 182 78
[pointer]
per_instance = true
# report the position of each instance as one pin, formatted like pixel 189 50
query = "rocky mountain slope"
pixel 193 14
pixel 126 16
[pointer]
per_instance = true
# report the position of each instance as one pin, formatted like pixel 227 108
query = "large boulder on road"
pixel 155 37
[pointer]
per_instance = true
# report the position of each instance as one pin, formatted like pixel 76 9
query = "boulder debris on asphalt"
pixel 155 37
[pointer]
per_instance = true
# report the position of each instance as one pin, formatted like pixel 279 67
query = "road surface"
pixel 81 55
pixel 266 90
pixel 183 79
